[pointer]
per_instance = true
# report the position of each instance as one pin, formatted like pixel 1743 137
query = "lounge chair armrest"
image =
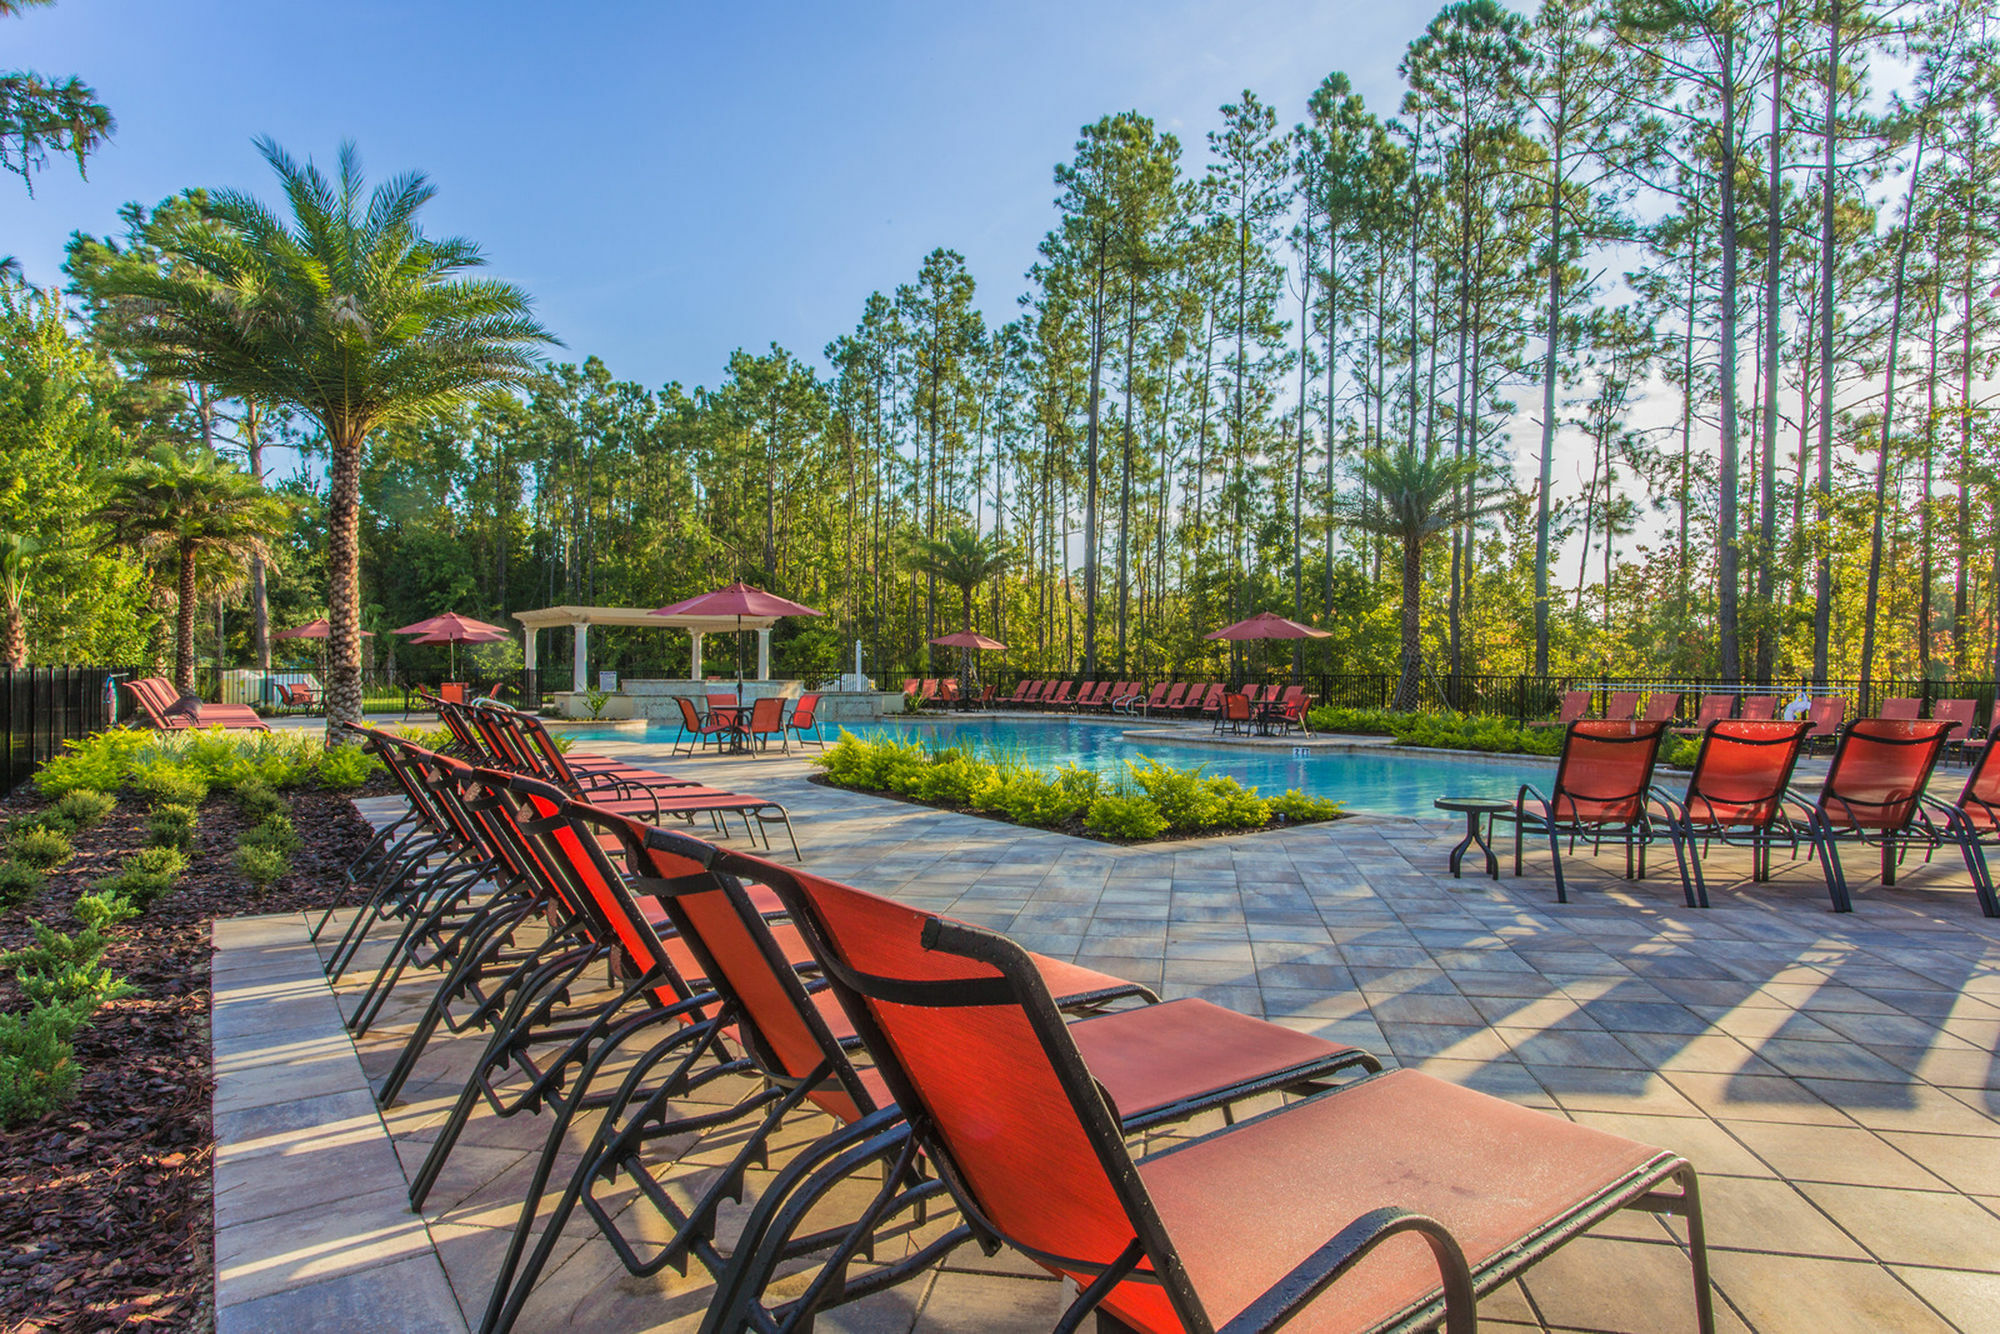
pixel 1528 790
pixel 1292 1293
pixel 1674 809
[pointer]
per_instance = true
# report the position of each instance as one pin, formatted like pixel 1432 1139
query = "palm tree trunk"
pixel 343 587
pixel 13 637
pixel 1406 684
pixel 184 622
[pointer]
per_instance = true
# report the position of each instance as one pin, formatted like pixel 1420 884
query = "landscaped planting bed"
pixel 1149 802
pixel 105 1216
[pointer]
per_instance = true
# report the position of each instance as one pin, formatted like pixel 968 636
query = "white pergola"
pixel 582 618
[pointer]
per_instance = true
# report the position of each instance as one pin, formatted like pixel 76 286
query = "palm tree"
pixel 345 311
pixel 965 560
pixel 1414 498
pixel 15 549
pixel 205 516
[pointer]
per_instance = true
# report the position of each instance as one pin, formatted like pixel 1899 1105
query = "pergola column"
pixel 764 654
pixel 528 642
pixel 694 662
pixel 580 662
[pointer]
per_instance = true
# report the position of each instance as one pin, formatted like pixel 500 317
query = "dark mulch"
pixel 105 1218
pixel 1074 826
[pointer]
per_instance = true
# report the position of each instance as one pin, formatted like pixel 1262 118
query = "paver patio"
pixel 1833 1078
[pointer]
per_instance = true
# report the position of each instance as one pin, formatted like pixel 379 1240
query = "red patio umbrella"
pixel 454 630
pixel 448 621
pixel 739 600
pixel 314 629
pixel 967 640
pixel 1268 625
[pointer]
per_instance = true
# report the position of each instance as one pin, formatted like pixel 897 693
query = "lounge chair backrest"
pixel 803 711
pixel 977 1050
pixel 1964 712
pixel 910 685
pixel 1742 771
pixel 1879 770
pixel 741 958
pixel 1158 695
pixel 1575 704
pixel 1661 706
pixel 1176 696
pixel 1980 800
pixel 1059 694
pixel 1901 708
pixel 1827 715
pixel 1605 769
pixel 1622 706
pixel 1760 708
pixel 1211 698
pixel 1713 708
pixel 767 715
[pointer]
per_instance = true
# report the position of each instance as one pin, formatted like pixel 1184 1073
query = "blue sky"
pixel 671 181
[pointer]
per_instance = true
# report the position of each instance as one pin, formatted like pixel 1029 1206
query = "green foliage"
pixel 171 825
pixel 346 767
pixel 1128 816
pixel 83 807
pixel 39 847
pixel 950 779
pixel 1679 752
pixel 75 985
pixel 1443 731
pixel 169 783
pixel 261 866
pixel 98 911
pixel 1031 797
pixel 54 951
pixel 145 876
pixel 19 882
pixel 257 801
pixel 595 700
pixel 181 768
pixel 273 831
pixel 1297 807
pixel 38 1070
pixel 1191 802
pixel 97 763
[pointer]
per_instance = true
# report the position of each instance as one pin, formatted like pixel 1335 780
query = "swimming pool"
pixel 1399 782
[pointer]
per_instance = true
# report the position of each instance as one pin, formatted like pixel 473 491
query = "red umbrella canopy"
pixel 451 623
pixel 738 599
pixel 967 639
pixel 315 629
pixel 1269 625
pixel 489 635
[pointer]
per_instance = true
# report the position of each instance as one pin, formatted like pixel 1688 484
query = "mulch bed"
pixel 1074 826
pixel 105 1216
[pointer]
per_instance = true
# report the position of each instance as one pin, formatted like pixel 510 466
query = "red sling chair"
pixel 1975 821
pixel 1735 794
pixel 1873 795
pixel 1602 786
pixel 1360 1193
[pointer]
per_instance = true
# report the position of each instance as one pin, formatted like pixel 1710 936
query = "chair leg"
pixel 1556 863
pixel 1888 859
pixel 1836 876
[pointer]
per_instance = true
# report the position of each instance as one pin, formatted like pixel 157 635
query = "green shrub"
pixel 350 766
pixel 257 800
pixel 952 779
pixel 1236 807
pixel 1182 798
pixel 145 876
pixel 98 911
pixel 1129 816
pixel 274 831
pixel 54 951
pixel 95 764
pixel 38 846
pixel 83 807
pixel 1446 731
pixel 1679 752
pixel 1362 722
pixel 1296 806
pixel 75 985
pixel 171 826
pixel 37 1064
pixel 19 882
pixel 169 783
pixel 262 866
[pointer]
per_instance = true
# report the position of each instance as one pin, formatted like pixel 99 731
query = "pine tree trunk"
pixel 1823 569
pixel 1767 533
pixel 1727 569
pixel 343 587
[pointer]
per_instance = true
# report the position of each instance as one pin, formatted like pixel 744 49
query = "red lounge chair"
pixel 1211 701
pixel 1175 699
pixel 1623 706
pixel 1964 712
pixel 1603 780
pixel 1020 694
pixel 1736 794
pixel 926 691
pixel 1575 704
pixel 1901 708
pixel 1873 794
pixel 1760 708
pixel 1661 707
pixel 1713 709
pixel 1153 699
pixel 1827 716
pixel 1241 1229
pixel 1036 691
pixel 170 711
pixel 1057 695
pixel 910 686
pixel 805 720
pixel 1975 822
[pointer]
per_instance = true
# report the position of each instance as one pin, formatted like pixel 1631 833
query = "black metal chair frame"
pixel 1827 831
pixel 1637 832
pixel 1682 816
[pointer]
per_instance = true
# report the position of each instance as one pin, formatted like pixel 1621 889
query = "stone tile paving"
pixel 1834 1078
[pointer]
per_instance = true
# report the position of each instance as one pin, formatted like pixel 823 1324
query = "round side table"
pixel 1479 813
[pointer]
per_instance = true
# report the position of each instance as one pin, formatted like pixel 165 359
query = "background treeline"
pixel 1658 334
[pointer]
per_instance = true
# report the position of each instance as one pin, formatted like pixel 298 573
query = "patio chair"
pixel 910 685
pixel 726 710
pixel 1176 697
pixel 1826 715
pixel 1621 706
pixel 1661 706
pixel 1735 795
pixel 802 1045
pixel 1235 714
pixel 1311 1210
pixel 767 720
pixel 168 710
pixel 1211 702
pixel 1964 712
pixel 1056 696
pixel 297 695
pixel 1873 795
pixel 1712 709
pixel 1575 704
pixel 1295 703
pixel 926 691
pixel 1759 708
pixel 1601 787
pixel 1974 822
pixel 1020 695
pixel 948 693
pixel 1901 708
pixel 804 720
pixel 1146 703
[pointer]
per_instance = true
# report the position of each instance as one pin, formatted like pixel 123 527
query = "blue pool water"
pixel 1400 782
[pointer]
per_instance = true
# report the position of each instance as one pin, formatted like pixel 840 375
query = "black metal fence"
pixel 43 707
